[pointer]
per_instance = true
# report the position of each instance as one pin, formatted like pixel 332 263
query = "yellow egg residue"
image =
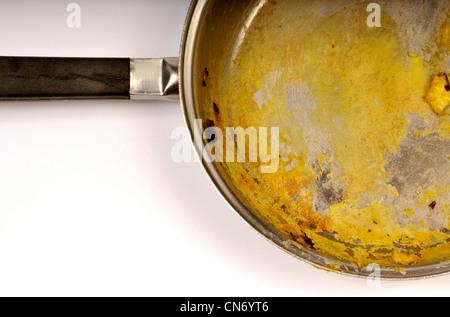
pixel 438 95
pixel 343 98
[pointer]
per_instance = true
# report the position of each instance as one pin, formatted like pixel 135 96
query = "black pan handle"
pixel 31 78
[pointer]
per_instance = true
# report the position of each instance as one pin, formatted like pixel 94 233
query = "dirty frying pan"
pixel 353 174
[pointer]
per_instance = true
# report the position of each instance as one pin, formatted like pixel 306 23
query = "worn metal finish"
pixel 154 78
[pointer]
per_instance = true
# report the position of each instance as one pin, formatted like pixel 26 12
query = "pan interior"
pixel 362 165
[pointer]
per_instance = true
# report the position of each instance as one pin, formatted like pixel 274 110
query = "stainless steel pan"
pixel 357 92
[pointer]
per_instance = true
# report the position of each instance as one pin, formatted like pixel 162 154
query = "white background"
pixel 91 203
